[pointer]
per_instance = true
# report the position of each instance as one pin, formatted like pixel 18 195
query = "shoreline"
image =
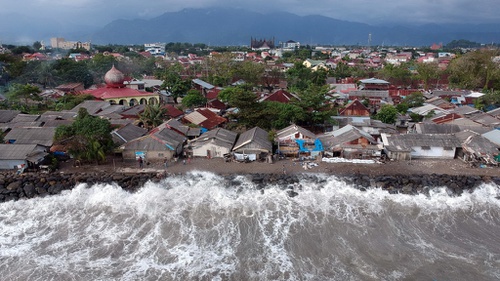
pixel 394 177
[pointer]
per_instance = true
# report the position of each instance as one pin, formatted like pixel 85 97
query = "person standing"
pixel 141 161
pixel 165 163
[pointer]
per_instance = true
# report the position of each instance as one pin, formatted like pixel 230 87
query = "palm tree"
pixel 153 115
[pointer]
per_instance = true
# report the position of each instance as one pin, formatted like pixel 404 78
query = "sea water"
pixel 199 227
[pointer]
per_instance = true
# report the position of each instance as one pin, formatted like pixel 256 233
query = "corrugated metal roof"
pixel 17 151
pixel 292 129
pixel 373 81
pixel 407 141
pixel 41 136
pixel 195 117
pixel 431 128
pixel 203 84
pixel 92 106
pixel 7 115
pixel 256 135
pixel 217 136
pixel 25 118
pixel 493 136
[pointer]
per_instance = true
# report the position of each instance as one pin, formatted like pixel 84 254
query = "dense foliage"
pixel 87 139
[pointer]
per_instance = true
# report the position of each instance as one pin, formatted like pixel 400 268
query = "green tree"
pixel 475 70
pixel 250 72
pixel 397 74
pixel 427 72
pixel 173 81
pixel 313 101
pixel 153 115
pixel 37 45
pixel 193 98
pixel 387 114
pixel 415 99
pixel 87 139
pixel 24 92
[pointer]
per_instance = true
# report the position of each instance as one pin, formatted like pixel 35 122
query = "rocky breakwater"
pixel 30 185
pixel 394 184
pixel 420 183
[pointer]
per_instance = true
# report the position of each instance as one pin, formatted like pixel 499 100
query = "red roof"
pixel 113 93
pixel 172 111
pixel 213 120
pixel 280 96
pixel 216 104
pixel 213 94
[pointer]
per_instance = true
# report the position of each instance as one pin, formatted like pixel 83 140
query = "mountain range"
pixel 228 26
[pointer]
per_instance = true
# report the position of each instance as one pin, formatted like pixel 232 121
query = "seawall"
pixel 31 185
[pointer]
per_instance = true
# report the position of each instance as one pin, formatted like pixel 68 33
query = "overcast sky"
pixel 100 12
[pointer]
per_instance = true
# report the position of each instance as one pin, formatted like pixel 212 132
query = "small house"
pixel 214 143
pixel 410 146
pixel 13 156
pixel 155 147
pixel 253 144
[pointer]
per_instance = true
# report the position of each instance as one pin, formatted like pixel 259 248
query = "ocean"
pixel 198 227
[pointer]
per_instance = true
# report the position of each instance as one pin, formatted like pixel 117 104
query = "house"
pixel 202 86
pixel 205 118
pixel 182 129
pixel 410 146
pixel 127 133
pixel 294 139
pixel 6 115
pixel 13 156
pixel 281 96
pixel 315 65
pixel 92 106
pixel 493 136
pixel 355 108
pixel 350 142
pixel 214 143
pixel 254 144
pixel 155 147
pixel 71 88
pixel 40 136
pixel 477 149
pixel 435 129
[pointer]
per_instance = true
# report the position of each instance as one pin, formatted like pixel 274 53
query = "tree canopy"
pixel 87 139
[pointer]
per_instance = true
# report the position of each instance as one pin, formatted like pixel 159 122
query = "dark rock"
pixel 14 185
pixel 29 190
pixel 291 193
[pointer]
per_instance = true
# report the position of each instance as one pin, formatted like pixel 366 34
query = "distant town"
pixel 161 102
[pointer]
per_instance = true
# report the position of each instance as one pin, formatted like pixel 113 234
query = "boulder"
pixel 14 185
pixel 29 190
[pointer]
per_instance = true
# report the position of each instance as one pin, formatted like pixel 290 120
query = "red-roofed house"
pixel 280 96
pixel 205 118
pixel 355 108
pixel 173 111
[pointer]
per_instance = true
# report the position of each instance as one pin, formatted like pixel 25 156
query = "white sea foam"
pixel 196 226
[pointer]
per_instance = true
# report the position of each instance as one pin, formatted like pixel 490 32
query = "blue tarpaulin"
pixel 318 146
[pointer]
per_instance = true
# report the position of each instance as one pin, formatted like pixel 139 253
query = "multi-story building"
pixel 61 43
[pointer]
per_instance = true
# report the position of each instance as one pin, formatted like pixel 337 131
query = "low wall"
pixel 30 185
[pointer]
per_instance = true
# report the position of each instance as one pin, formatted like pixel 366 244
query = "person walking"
pixel 165 163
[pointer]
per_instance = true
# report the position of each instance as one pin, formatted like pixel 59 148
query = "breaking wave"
pixel 199 227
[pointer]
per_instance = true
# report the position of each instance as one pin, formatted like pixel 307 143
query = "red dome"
pixel 114 78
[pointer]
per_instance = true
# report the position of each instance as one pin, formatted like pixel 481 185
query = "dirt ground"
pixel 218 165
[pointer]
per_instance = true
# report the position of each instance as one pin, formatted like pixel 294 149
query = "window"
pixel 426 147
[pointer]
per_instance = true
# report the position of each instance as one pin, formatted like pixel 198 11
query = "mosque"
pixel 117 92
